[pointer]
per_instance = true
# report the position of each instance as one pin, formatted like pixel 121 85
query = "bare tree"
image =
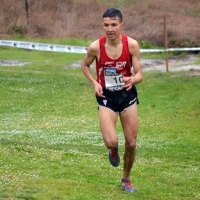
pixel 26 7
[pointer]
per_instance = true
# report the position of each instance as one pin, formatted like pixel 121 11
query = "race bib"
pixel 113 80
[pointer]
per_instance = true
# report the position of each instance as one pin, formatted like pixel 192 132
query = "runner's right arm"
pixel 91 55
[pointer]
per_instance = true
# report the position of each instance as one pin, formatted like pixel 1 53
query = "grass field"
pixel 50 143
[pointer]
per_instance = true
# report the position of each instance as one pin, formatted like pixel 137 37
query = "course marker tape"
pixel 75 49
pixel 43 47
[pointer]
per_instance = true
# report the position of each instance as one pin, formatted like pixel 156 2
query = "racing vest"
pixel 110 72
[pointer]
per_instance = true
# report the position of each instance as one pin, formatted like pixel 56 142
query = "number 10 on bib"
pixel 113 80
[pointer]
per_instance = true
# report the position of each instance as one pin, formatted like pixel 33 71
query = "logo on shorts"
pixel 133 101
pixel 105 102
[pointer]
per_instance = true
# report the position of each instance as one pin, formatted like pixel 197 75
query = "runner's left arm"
pixel 137 67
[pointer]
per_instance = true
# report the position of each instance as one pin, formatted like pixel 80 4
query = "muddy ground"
pixel 174 64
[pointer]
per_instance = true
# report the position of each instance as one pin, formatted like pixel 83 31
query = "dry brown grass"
pixel 82 19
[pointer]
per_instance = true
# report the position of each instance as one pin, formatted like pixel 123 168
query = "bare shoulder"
pixel 92 53
pixel 132 42
pixel 133 45
pixel 93 48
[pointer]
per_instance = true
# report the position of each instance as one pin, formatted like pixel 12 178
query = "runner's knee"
pixel 131 145
pixel 111 144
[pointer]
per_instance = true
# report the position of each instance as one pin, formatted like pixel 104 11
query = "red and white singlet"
pixel 110 72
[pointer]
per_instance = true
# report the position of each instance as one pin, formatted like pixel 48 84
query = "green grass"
pixel 51 146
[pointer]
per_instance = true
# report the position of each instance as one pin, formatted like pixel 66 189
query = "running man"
pixel 118 70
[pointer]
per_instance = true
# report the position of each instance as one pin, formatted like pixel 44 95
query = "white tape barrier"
pixel 43 47
pixel 168 50
pixel 75 49
pixel 184 49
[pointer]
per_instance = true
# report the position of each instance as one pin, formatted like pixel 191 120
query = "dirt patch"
pixel 174 64
pixel 13 63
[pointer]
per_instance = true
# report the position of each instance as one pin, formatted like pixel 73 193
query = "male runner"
pixel 118 70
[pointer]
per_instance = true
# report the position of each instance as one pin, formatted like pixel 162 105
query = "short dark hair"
pixel 112 13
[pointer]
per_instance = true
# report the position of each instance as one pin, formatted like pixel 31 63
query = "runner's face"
pixel 112 27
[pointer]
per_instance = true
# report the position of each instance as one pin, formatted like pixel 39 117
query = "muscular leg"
pixel 107 121
pixel 129 121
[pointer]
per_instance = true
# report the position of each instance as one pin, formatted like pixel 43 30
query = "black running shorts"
pixel 118 101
